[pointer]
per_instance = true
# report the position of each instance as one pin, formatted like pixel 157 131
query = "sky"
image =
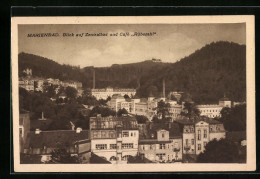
pixel 170 43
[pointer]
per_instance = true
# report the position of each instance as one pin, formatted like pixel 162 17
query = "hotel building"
pixel 114 138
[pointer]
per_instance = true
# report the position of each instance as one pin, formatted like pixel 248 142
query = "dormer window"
pixel 162 135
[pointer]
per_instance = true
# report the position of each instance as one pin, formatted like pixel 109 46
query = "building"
pixel 28 71
pixel 42 143
pixel 213 110
pixel 24 127
pixel 163 143
pixel 174 110
pixel 104 93
pixel 176 94
pixel 197 133
pixel 114 138
pixel 119 102
pixel 26 83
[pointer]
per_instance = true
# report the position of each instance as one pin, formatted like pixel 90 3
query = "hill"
pixel 207 74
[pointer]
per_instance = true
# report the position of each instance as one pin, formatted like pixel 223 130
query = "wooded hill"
pixel 206 74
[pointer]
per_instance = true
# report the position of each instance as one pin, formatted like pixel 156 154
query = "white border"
pixel 250 77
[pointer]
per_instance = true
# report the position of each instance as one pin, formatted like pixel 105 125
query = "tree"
pixel 222 151
pixel 155 119
pixel 141 119
pixel 126 96
pixel 234 119
pixel 71 92
pixel 163 109
pixel 120 112
pixel 104 111
pixel 191 111
pixel 60 155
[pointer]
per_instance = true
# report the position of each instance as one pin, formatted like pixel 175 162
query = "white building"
pixel 114 138
pixel 104 93
pixel 213 110
pixel 196 134
pixel 27 83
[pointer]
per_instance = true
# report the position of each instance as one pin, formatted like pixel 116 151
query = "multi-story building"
pixel 197 133
pixel 163 143
pixel 213 110
pixel 114 138
pixel 104 93
pixel 27 83
pixel 175 109
pixel 119 102
pixel 42 143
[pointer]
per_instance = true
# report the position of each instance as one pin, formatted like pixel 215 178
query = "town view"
pixel 189 111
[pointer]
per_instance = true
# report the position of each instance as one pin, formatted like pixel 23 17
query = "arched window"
pixel 113 158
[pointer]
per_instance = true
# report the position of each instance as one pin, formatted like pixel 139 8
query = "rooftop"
pixel 52 139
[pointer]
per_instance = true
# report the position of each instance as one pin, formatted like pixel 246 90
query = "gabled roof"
pixel 53 139
pixel 173 128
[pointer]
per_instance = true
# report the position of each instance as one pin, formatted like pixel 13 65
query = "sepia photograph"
pixel 133 94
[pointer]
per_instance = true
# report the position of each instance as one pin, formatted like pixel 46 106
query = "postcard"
pixel 133 94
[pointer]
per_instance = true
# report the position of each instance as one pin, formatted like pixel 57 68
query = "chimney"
pixel 37 131
pixel 72 126
pixel 163 88
pixel 78 130
pixel 94 79
pixel 42 116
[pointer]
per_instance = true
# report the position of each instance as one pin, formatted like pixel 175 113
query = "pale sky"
pixel 171 42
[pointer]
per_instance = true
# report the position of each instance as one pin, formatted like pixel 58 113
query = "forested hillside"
pixel 206 74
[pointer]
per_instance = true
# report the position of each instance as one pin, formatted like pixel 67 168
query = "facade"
pixel 114 138
pixel 174 110
pixel 42 143
pixel 26 83
pixel 119 102
pixel 197 133
pixel 163 143
pixel 213 110
pixel 106 92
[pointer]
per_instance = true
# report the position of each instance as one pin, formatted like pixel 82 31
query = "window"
pixel 199 146
pixel 205 133
pixel 101 146
pixel 151 147
pixel 162 135
pixel 162 146
pixel 187 141
pixel 192 141
pixel 111 134
pixel 204 144
pixel 192 129
pixel 176 145
pixel 199 134
pixel 210 129
pixel 160 156
pixel 20 131
pixel 103 134
pixel 131 134
pixel 112 146
pixel 125 134
pixel 127 146
pixel 95 134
